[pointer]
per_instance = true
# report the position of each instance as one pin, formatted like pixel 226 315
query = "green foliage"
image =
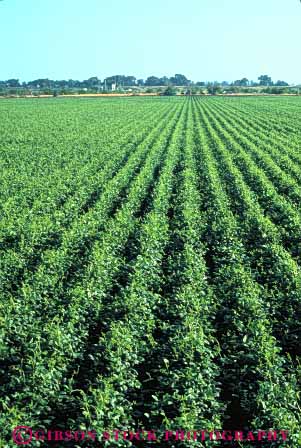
pixel 150 266
pixel 169 91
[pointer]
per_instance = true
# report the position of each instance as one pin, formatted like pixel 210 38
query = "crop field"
pixel 150 266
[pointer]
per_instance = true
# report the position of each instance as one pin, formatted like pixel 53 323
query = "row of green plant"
pixel 272 265
pixel 266 156
pixel 67 312
pixel 182 384
pixel 46 232
pixel 41 223
pixel 279 148
pixel 129 341
pixel 280 209
pixel 251 359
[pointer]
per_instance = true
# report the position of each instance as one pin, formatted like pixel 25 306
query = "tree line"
pixel 125 81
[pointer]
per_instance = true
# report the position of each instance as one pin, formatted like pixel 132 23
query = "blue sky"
pixel 203 39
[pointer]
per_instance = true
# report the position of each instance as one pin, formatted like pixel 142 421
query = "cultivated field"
pixel 150 265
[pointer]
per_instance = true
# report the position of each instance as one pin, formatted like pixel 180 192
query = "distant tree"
pixel 233 89
pixel 170 91
pixel 121 81
pixel 93 81
pixel 276 90
pixel 281 83
pixel 41 83
pixel 179 80
pixel 71 83
pixel 253 83
pixel 164 81
pixel 61 84
pixel 265 80
pixel 241 82
pixel 129 81
pixel 152 81
pixel 13 83
pixel 244 82
pixel 214 89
